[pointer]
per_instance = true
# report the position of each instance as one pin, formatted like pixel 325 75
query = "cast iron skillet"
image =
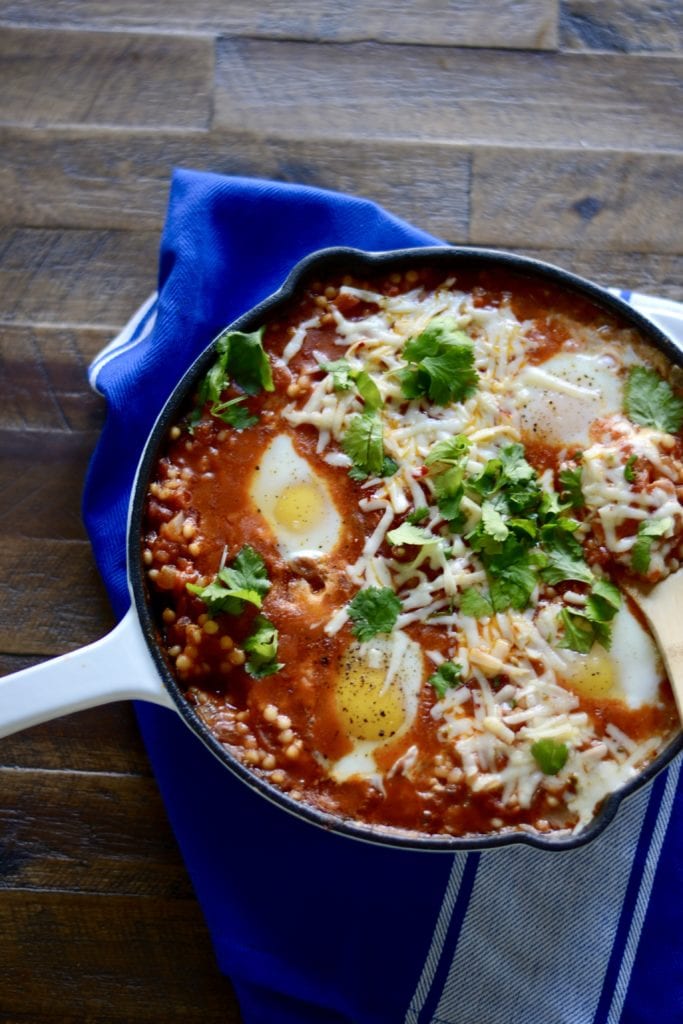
pixel 129 664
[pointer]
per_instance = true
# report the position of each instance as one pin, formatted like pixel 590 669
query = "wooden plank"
pixel 526 24
pixel 43 379
pixel 41 481
pixel 109 78
pixel 97 740
pixel 87 832
pixel 626 26
pixel 54 597
pixel 85 959
pixel 117 179
pixel 363 91
pixel 651 273
pixel 72 277
pixel 610 201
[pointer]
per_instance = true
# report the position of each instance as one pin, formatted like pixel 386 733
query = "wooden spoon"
pixel 662 606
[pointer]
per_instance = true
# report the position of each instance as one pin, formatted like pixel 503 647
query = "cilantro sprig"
pixel 372 611
pixel 363 442
pixel 244 582
pixel 441 362
pixel 642 549
pixel 650 401
pixel 240 359
pixel 447 676
pixel 262 645
pixel 592 624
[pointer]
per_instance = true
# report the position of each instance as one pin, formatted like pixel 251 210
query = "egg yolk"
pixel 299 507
pixel 595 677
pixel 366 710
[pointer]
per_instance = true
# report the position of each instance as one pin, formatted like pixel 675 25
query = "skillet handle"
pixel 117 667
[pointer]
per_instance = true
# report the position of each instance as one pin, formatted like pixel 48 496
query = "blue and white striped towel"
pixel 317 929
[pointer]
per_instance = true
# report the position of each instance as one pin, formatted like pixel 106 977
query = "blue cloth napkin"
pixel 319 929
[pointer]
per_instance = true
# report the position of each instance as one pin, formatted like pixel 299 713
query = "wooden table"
pixel 554 129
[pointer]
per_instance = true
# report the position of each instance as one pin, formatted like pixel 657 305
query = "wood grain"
pixel 43 379
pixel 627 26
pixel 41 480
pixel 108 78
pixel 611 201
pixel 54 597
pixel 527 24
pixel 88 959
pixel 102 739
pixel 437 93
pixel 121 180
pixel 73 277
pixel 492 195
pixel 651 273
pixel 104 833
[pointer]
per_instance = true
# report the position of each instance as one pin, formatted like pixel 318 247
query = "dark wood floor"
pixel 551 128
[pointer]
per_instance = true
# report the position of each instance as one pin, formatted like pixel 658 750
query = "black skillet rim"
pixel 348 260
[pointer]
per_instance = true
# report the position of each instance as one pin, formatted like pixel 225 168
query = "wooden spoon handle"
pixel 662 606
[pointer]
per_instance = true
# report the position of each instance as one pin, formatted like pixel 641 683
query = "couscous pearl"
pixel 269 762
pixel 237 657
pixel 292 752
pixel 278 777
pixel 270 713
pixel 189 529
pixel 174 433
pixel 286 736
pixel 242 728
pixel 250 742
pixel 252 756
pixel 283 722
pixel 211 627
pixel 168 615
pixel 194 548
pixel 147 556
pixel 175 650
pixel 183 663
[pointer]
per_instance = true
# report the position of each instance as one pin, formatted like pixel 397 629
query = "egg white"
pixel 377 694
pixel 562 397
pixel 630 671
pixel 295 502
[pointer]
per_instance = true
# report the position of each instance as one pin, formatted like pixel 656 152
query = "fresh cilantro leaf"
pixel 245 581
pixel 248 363
pixel 474 603
pixel 341 374
pixel 406 533
pixel 389 466
pixel 565 558
pixel 444 360
pixel 647 532
pixel 650 401
pixel 489 480
pixel 450 490
pixel 451 451
pixel 571 487
pixel 418 515
pixel 549 755
pixel 584 627
pixel 493 523
pixel 441 331
pixel 368 390
pixel 604 601
pixel 363 443
pixel 511 575
pixel 578 631
pixel 234 413
pixel 447 676
pixel 374 610
pixel 516 469
pixel 629 474
pixel 523 527
pixel 261 646
pixel 239 357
